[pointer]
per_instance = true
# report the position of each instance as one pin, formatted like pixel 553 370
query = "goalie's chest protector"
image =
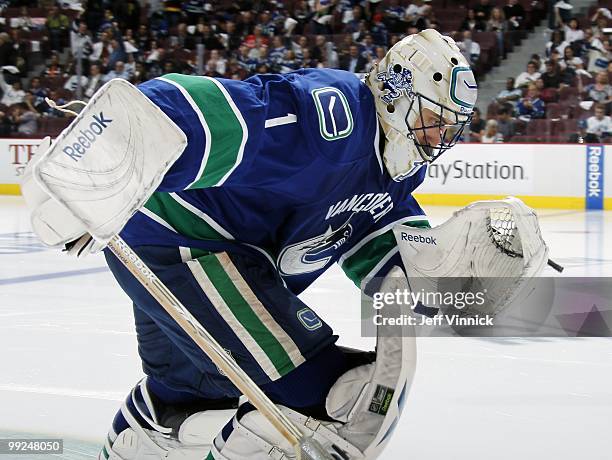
pixel 311 182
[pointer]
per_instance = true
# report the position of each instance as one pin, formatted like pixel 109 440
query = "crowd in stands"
pixel 66 50
pixel 564 94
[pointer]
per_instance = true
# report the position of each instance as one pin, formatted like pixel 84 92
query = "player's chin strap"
pixel 365 402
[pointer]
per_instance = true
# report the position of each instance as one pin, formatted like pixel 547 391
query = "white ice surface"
pixel 68 356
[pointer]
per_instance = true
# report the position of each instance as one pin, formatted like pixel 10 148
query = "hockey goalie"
pixel 238 195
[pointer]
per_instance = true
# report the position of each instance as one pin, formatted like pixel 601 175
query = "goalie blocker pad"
pixel 111 158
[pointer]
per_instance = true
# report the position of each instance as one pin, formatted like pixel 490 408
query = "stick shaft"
pixel 204 340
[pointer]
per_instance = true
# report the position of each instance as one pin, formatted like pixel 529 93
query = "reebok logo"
pixel 419 239
pixel 594 173
pixel 594 190
pixel 87 137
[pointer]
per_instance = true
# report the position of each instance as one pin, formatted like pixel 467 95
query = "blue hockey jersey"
pixel 287 165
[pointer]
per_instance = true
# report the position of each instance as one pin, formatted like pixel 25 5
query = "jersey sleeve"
pixel 375 254
pixel 217 130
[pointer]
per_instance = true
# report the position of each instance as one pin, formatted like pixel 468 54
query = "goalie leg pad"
pixel 147 429
pixel 365 403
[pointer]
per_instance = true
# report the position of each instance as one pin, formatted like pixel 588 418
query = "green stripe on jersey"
pixel 181 219
pixel 358 265
pixel 227 133
pixel 246 316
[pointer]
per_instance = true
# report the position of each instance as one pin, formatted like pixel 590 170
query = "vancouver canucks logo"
pixel 395 83
pixel 313 254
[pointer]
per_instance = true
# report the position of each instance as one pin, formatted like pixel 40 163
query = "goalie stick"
pixel 305 448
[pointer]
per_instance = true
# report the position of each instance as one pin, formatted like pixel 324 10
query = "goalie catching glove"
pixel 493 247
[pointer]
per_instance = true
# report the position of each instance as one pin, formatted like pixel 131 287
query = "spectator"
pixel 216 64
pixel 572 31
pixel 490 134
pixel 29 101
pixel 302 14
pixel 414 12
pixel 477 126
pixel 531 75
pixel 599 124
pixel 557 42
pixel 427 20
pixel 245 61
pixel 38 91
pixel 301 45
pixel 116 53
pixel 80 39
pixel 515 14
pixel 267 25
pixel 368 48
pixel 23 22
pixel 210 40
pixel 509 95
pixel 307 61
pixel 531 106
pixel 483 10
pixel 101 49
pixel 600 91
pixel 497 23
pixel 254 41
pixel 11 94
pixel 354 62
pixel 230 39
pixel 277 53
pixel 8 55
pixel 182 39
pixel 95 81
pixel 570 61
pixel 505 124
pixel 57 25
pixel 592 50
pixel 72 83
pixel 472 23
pixel 380 35
pixel 540 67
pixel 118 72
pixel 289 63
pixel 600 22
pixel 394 16
pixel 581 136
pixel 323 16
pixel 551 78
pixel 469 48
pixel 25 119
pixel 54 69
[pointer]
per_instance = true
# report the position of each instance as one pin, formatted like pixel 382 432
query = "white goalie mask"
pixel 425 93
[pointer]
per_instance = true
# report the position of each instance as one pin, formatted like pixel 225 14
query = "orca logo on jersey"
pixel 87 138
pixel 313 254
